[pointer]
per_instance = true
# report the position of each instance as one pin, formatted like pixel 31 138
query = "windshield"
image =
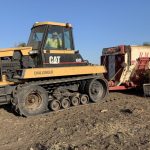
pixel 36 37
pixel 59 38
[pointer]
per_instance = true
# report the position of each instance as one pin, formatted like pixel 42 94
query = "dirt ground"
pixel 120 122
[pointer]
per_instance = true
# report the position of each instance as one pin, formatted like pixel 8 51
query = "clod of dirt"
pixel 38 146
pixel 63 146
pixel 114 141
pixel 126 111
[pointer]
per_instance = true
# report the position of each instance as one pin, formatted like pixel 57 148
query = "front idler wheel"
pixel 97 89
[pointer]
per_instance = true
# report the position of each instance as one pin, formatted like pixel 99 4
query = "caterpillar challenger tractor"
pixel 43 76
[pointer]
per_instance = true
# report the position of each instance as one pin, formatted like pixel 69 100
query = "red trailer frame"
pixel 117 59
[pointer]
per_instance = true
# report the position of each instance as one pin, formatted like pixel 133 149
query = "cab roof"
pixel 52 23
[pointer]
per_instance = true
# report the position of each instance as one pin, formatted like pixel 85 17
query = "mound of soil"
pixel 121 121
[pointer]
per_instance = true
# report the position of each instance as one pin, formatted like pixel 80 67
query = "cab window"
pixel 54 38
pixel 67 41
pixel 36 37
pixel 59 38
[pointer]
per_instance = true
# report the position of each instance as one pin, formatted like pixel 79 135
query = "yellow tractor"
pixel 49 74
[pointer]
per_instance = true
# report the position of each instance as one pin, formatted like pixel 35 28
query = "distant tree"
pixel 20 44
pixel 146 43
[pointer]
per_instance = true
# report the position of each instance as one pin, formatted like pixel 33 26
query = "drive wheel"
pixel 84 99
pixel 54 105
pixel 31 100
pixel 65 103
pixel 96 89
pixel 75 100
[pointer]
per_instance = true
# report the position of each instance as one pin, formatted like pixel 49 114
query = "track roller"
pixel 84 99
pixel 75 100
pixel 54 105
pixel 65 102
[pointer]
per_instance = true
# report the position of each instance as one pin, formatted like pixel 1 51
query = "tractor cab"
pixel 42 32
pixel 52 45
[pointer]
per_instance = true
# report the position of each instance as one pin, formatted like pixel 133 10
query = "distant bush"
pixel 146 43
pixel 21 45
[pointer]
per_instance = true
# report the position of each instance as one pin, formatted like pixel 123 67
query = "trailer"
pixel 127 66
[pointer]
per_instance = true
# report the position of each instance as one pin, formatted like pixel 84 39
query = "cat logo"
pixel 54 59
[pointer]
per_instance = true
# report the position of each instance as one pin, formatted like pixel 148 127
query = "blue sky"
pixel 97 23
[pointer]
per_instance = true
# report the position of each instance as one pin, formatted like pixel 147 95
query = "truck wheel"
pixel 31 100
pixel 96 89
